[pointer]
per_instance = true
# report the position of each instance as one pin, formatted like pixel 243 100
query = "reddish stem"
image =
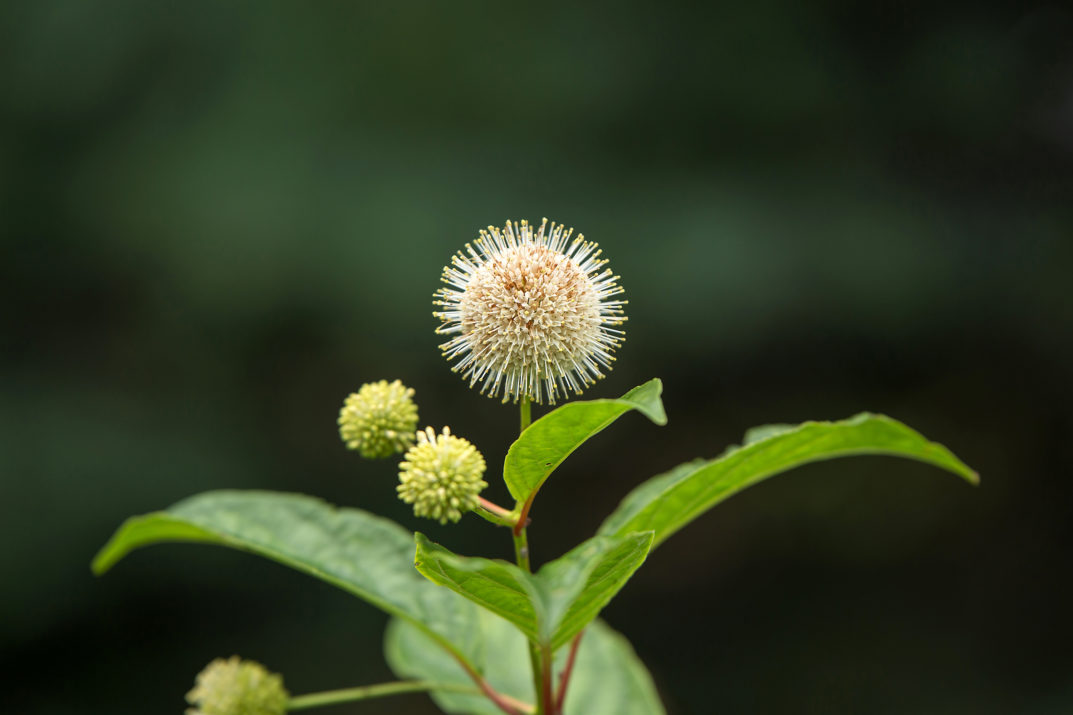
pixel 505 514
pixel 546 696
pixel 504 702
pixel 564 677
pixel 523 515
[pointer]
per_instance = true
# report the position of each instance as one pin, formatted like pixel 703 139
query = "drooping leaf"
pixel 548 441
pixel 666 503
pixel 608 678
pixel 503 661
pixel 366 555
pixel 552 605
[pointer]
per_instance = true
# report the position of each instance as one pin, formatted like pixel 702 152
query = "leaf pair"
pixel 557 602
pixel 551 606
pixel 668 502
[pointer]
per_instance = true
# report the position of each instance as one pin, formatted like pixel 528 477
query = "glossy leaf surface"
pixel 551 439
pixel 666 503
pixel 366 555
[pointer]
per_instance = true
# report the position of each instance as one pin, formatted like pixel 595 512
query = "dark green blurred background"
pixel 220 218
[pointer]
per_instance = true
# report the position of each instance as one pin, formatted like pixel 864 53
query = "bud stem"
pixel 367 692
pixel 496 514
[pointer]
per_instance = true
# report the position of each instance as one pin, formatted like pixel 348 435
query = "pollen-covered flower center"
pixel 532 314
pixel 533 307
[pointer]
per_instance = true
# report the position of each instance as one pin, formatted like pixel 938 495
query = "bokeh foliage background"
pixel 218 219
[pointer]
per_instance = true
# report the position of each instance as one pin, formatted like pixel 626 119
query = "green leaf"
pixel 503 660
pixel 602 566
pixel 551 439
pixel 608 678
pixel 554 604
pixel 359 552
pixel 666 503
pixel 501 587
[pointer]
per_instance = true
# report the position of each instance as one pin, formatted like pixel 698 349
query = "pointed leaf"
pixel 501 587
pixel 548 441
pixel 668 502
pixel 603 567
pixel 361 553
pixel 551 606
pixel 608 678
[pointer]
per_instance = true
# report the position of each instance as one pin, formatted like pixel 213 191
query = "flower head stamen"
pixel 237 687
pixel 379 420
pixel 441 476
pixel 530 313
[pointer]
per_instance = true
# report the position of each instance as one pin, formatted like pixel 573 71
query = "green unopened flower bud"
pixel 379 419
pixel 441 476
pixel 237 687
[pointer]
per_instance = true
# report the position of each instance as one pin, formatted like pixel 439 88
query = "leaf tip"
pixel 108 555
pixel 654 412
pixel 100 563
pixel 421 543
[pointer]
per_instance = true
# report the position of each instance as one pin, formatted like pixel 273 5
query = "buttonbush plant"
pixel 530 315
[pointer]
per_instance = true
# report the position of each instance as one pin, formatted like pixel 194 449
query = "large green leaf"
pixel 554 604
pixel 503 661
pixel 666 503
pixel 548 441
pixel 366 555
pixel 608 678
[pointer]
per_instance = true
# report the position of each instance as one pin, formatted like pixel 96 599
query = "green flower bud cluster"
pixel 237 687
pixel 441 476
pixel 379 420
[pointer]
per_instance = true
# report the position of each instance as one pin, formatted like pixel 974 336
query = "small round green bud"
pixel 379 420
pixel 237 687
pixel 441 476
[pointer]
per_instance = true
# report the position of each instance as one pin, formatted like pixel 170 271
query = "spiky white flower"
pixel 530 312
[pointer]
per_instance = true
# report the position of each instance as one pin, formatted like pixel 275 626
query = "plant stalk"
pixel 564 677
pixel 546 701
pixel 526 414
pixel 368 692
pixel 521 554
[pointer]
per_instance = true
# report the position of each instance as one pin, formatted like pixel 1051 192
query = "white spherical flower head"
pixel 531 313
